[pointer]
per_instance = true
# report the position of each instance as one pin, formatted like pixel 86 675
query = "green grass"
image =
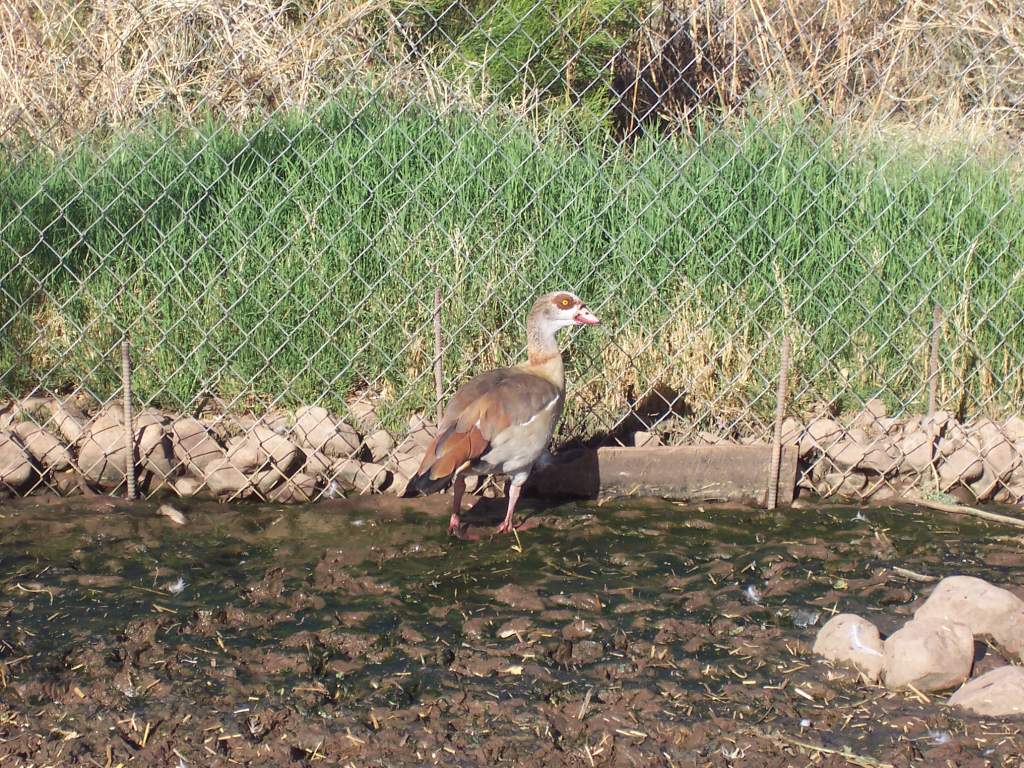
pixel 296 262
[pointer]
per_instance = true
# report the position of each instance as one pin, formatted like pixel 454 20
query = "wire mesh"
pixel 267 197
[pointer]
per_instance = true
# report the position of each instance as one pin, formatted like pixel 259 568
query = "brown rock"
pixel 820 435
pixel 68 419
pixel 297 489
pixel 360 476
pixel 153 446
pixel 962 466
pixel 364 413
pixel 284 455
pixel 225 479
pixel 997 693
pixel 849 639
pixel 873 411
pixel 929 654
pixel 990 612
pixel 916 448
pixel 194 446
pixel 380 444
pixel 1013 428
pixel 646 440
pixel 850 484
pixel 245 455
pixel 862 451
pixel 50 452
pixel 318 430
pixel 404 468
pixel 792 429
pixel 998 457
pixel 186 486
pixel 15 465
pixel 102 455
pixel 317 465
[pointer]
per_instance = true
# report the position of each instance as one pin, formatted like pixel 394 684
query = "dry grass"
pixel 68 66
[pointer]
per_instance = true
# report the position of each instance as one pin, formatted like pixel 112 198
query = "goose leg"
pixel 513 496
pixel 458 489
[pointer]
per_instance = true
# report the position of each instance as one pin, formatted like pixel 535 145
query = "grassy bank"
pixel 299 259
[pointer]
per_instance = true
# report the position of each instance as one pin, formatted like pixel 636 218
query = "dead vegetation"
pixel 72 66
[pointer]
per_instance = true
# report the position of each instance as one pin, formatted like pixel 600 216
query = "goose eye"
pixel 565 302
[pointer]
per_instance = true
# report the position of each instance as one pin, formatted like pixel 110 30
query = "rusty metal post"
pixel 780 412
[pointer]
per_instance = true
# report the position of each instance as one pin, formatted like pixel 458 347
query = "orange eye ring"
pixel 565 302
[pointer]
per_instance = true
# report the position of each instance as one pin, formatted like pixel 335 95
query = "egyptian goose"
pixel 500 422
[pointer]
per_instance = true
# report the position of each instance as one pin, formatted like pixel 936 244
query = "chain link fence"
pixel 313 220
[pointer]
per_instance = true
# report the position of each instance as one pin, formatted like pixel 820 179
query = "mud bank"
pixel 356 633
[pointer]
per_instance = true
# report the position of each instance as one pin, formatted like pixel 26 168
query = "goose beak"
pixel 585 317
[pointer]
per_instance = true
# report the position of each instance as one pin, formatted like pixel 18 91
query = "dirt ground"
pixel 355 633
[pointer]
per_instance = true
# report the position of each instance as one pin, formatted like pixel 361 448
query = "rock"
pixel 380 444
pixel 850 484
pixel 404 468
pixel 997 693
pixel 223 478
pixel 1013 428
pixel 364 413
pixel 284 455
pixel 962 466
pixel 186 486
pixel 102 455
pixel 363 477
pixel 820 435
pixel 15 464
pixel 174 515
pixel 68 419
pixel 317 465
pixel 194 446
pixel 646 440
pixel 873 411
pixel 153 446
pixel 998 457
pixel 916 448
pixel 862 451
pixel 990 612
pixel 792 429
pixel 297 489
pixel 245 455
pixel 46 449
pixel 849 639
pixel 929 654
pixel 317 430
pixel 266 480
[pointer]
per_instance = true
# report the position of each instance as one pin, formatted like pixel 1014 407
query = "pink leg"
pixel 513 496
pixel 457 490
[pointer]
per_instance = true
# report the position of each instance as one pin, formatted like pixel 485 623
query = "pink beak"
pixel 585 317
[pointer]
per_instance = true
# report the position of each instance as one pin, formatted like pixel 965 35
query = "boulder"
pixel 360 476
pixel 997 693
pixel 317 465
pixel 871 414
pixel 15 464
pixel 152 445
pixel 849 484
pixel 820 435
pixel 283 454
pixel 404 467
pixel 962 465
pixel 316 429
pixel 245 455
pixel 792 429
pixel 849 639
pixel 380 444
pixel 990 612
pixel 68 419
pixel 194 446
pixel 297 489
pixel 916 448
pixel 101 453
pixel 364 413
pixel 858 450
pixel 929 654
pixel 998 458
pixel 42 446
pixel 186 486
pixel 223 478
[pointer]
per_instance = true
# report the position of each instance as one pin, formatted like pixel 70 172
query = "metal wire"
pixel 291 196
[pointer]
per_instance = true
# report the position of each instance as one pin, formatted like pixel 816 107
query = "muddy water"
pixel 633 633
